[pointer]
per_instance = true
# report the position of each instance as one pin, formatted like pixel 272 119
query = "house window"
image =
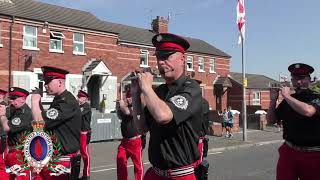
pixel 189 63
pixel 256 98
pixel 201 64
pixel 30 37
pixel 211 65
pixel 56 41
pixel 144 58
pixel 78 43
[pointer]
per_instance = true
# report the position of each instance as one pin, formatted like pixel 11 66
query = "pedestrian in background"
pixel 85 135
pixel 299 156
pixel 224 121
pixel 229 123
pixel 132 143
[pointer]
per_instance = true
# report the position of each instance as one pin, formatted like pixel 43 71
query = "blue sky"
pixel 278 32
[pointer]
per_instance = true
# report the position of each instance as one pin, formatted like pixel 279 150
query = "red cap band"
pixel 300 72
pixel 170 46
pixel 80 94
pixel 55 75
pixel 18 93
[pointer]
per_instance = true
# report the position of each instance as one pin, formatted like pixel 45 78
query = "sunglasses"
pixel 164 55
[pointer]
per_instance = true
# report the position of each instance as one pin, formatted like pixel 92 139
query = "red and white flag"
pixel 241 19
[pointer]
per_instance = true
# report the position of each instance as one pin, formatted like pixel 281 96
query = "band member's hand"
pixel 35 97
pixel 286 91
pixel 36 91
pixel 274 94
pixel 122 103
pixel 145 81
pixel 2 110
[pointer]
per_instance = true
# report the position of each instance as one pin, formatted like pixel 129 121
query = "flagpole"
pixel 244 85
pixel 241 18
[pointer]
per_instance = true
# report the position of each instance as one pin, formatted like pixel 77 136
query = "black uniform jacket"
pixel 175 144
pixel 298 129
pixel 86 117
pixel 206 118
pixel 128 127
pixel 19 120
pixel 64 119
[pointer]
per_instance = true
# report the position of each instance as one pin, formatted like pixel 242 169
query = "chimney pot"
pixel 160 25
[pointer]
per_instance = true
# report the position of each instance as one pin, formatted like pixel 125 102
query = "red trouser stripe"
pixel 129 148
pixel 84 151
pixel 200 148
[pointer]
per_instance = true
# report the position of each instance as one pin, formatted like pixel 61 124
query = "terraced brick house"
pixel 99 54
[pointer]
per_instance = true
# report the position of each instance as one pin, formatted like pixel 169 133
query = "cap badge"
pixel 11 89
pixel 159 38
pixel 297 66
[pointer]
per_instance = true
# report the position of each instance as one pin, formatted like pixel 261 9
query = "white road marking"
pixel 113 168
pixel 98 167
pixel 219 152
pixel 131 165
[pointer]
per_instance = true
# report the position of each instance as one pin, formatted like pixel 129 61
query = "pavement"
pixel 103 154
pixel 269 135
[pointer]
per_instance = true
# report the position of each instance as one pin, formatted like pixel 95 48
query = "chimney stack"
pixel 160 25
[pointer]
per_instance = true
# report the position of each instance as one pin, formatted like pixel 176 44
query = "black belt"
pixel 303 148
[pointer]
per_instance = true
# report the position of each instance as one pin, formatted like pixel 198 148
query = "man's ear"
pixel 181 57
pixel 61 81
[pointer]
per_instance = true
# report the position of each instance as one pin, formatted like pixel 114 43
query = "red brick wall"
pixel 235 98
pixel 120 59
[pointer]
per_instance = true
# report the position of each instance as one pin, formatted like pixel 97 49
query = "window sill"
pixel 1 45
pixel 201 71
pixel 144 66
pixel 56 51
pixel 30 48
pixel 190 70
pixel 79 53
pixel 212 72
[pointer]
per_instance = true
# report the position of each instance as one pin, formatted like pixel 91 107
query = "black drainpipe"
pixel 10 51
